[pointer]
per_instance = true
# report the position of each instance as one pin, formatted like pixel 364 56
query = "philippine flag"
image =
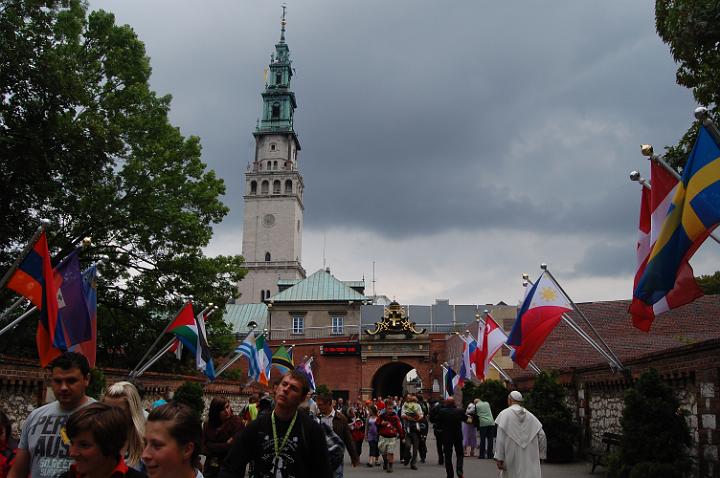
pixel 540 312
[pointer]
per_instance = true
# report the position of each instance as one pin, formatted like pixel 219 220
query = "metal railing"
pixel 354 330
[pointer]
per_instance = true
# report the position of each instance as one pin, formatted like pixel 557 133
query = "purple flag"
pixel 73 314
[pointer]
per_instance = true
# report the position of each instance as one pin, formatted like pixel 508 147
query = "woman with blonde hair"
pixel 125 396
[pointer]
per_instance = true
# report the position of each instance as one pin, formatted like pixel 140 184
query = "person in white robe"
pixel 520 443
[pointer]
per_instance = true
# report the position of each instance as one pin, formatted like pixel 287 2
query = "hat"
pixel 517 396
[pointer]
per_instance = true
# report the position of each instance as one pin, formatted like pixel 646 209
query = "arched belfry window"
pixel 288 187
pixel 278 78
pixel 264 187
pixel 267 257
pixel 276 110
pixel 276 186
pixel 253 187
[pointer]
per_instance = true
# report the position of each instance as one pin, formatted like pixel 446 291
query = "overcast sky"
pixel 455 144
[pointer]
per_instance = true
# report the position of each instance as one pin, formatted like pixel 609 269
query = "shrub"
pixel 491 391
pixel 191 394
pixel 547 402
pixel 656 436
pixel 97 384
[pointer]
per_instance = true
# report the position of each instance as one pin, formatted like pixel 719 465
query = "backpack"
pixel 335 445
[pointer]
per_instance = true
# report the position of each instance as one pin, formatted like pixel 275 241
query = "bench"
pixel 599 457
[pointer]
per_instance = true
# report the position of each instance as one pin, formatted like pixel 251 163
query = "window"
pixel 337 325
pixel 276 110
pixel 267 294
pixel 267 257
pixel 272 146
pixel 264 187
pixel 262 296
pixel 288 187
pixel 278 78
pixel 298 325
pixel 276 186
pixel 253 187
pixel 275 165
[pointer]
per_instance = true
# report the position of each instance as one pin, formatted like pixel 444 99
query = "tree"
pixel 85 142
pixel 191 394
pixel 492 391
pixel 710 284
pixel 692 30
pixel 546 401
pixel 655 437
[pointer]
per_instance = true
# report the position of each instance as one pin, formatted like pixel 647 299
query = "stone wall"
pixel 597 396
pixel 23 387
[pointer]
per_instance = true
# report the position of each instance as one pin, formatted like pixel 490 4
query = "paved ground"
pixel 473 468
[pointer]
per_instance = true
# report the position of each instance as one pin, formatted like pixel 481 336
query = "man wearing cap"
pixel 520 443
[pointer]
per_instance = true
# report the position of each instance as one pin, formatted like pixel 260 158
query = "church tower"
pixel 273 223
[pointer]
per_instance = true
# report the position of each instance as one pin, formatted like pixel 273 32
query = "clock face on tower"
pixel 268 220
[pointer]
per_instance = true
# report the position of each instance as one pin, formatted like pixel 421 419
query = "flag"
pixel 306 369
pixel 185 327
pixel 466 372
pixel 693 214
pixel 74 323
pixel 493 339
pixel 176 349
pixel 203 358
pixel 450 380
pixel 654 205
pixel 34 280
pixel 248 349
pixel 540 312
pixel 264 359
pixel 282 359
pixel 89 284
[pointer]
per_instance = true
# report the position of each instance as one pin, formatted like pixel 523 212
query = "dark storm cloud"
pixel 422 117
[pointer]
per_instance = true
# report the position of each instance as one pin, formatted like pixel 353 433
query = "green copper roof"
pixel 319 287
pixel 240 315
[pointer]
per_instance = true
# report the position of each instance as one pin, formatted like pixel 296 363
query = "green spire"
pixel 278 101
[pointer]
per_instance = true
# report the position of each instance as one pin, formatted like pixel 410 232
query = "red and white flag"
pixel 654 207
pixel 492 340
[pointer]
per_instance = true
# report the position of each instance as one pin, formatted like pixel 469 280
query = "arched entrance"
pixel 388 379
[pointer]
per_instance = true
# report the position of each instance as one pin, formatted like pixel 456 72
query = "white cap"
pixel 517 396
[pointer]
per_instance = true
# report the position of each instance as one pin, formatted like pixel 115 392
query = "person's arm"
pixel 21 467
pixel 500 449
pixel 542 444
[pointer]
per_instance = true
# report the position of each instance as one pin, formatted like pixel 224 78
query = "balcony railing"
pixel 355 330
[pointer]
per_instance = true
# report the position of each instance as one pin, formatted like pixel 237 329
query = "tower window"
pixel 278 78
pixel 264 187
pixel 275 165
pixel 253 187
pixel 288 187
pixel 267 257
pixel 272 147
pixel 276 110
pixel 276 187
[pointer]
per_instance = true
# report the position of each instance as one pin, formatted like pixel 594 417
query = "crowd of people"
pixel 284 434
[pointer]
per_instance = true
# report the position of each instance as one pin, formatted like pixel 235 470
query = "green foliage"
pixel 234 374
pixel 322 389
pixel 97 384
pixel 546 401
pixel 656 436
pixel 710 284
pixel 191 394
pixel 85 142
pixel 491 391
pixel 692 31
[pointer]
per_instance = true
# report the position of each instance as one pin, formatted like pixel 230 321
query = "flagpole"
pixel 12 324
pixel 163 350
pixel 501 372
pixel 14 306
pixel 701 114
pixel 587 321
pixel 157 340
pixel 5 278
pixel 532 364
pixel 232 360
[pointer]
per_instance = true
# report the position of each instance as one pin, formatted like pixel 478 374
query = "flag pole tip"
pixel 634 176
pixel 486 311
pixel 543 266
pixel 647 150
pixel 86 242
pixel 526 276
pixel 45 222
pixel 701 113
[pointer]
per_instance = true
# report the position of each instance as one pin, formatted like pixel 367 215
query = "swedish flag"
pixel 694 213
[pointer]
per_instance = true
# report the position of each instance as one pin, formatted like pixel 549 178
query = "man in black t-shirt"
pixel 286 443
